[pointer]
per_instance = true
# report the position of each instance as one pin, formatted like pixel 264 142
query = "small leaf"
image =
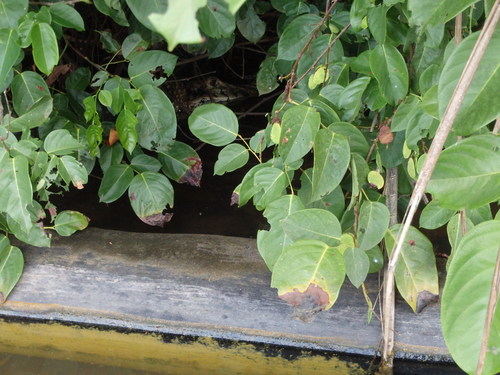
pixel 61 142
pixel 465 299
pixel 357 265
pixel 267 76
pixel 331 158
pixel 376 179
pixel 296 35
pixel 72 171
pixel 249 24
pixel 110 155
pixel 308 275
pixel 115 182
pixel 416 273
pixel 45 49
pixel 68 222
pixel 230 158
pixel 181 163
pixel 350 98
pixel 389 68
pixel 143 162
pixel 149 194
pixel 214 124
pixel 11 267
pixel 372 224
pixel 67 16
pixel 273 181
pixel 27 88
pixel 215 19
pixel 105 98
pixel 313 224
pixel 151 68
pixel 467 174
pixel 434 216
pixel 298 129
pixel 125 125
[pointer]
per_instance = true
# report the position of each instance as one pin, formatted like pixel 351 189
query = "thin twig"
pixel 427 169
pixel 492 303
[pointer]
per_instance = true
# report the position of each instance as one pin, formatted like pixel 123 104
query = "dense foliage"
pixel 363 87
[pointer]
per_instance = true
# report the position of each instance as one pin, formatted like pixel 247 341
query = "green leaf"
pixel 357 265
pixel 145 66
pixel 465 299
pixel 105 98
pixel 350 98
pixel 36 116
pixel 157 125
pixel 10 13
pixel 295 36
pixel 389 68
pixel 377 22
pixel 179 24
pixel 306 263
pixel 9 50
pixel 27 88
pixel 94 139
pixel 215 19
pixel 359 10
pixel 125 125
pixel 480 105
pixel 134 44
pixel 142 10
pixel 249 24
pixel 273 181
pixel 143 162
pixel 313 224
pixel 230 158
pixel 116 181
pixel 331 159
pixel 67 16
pixel 68 222
pixel 434 216
pixel 356 139
pixel 467 174
pixel 426 13
pixel 248 188
pixel 110 155
pixel 45 49
pixel 298 129
pixel 15 189
pixel 372 224
pixel 454 232
pixel 214 124
pixel 11 267
pixel 72 171
pixel 416 273
pixel 61 142
pixel 149 194
pixel 181 163
pixel 234 5
pixel 113 9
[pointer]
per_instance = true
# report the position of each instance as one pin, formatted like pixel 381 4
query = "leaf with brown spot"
pixel 385 136
pixel 308 275
pixel 193 175
pixel 181 163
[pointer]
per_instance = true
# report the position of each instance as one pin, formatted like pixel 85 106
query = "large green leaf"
pixel 465 299
pixel 389 68
pixel 181 163
pixel 144 67
pixel 298 129
pixel 67 16
pixel 214 124
pixel 480 105
pixel 331 158
pixel 9 51
pixel 10 12
pixel 372 224
pixel 61 142
pixel 416 272
pixel 273 182
pixel 230 158
pixel 15 189
pixel 45 49
pixel 157 125
pixel 215 19
pixel 150 193
pixel 179 24
pixel 11 267
pixel 430 12
pixel 467 174
pixel 115 182
pixel 143 9
pixel 295 36
pixel 27 88
pixel 249 24
pixel 37 115
pixel 68 222
pixel 309 270
pixel 313 224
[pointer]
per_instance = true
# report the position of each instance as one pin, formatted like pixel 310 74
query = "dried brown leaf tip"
pixel 307 304
pixel 424 299
pixel 235 199
pixel 157 220
pixel 193 175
